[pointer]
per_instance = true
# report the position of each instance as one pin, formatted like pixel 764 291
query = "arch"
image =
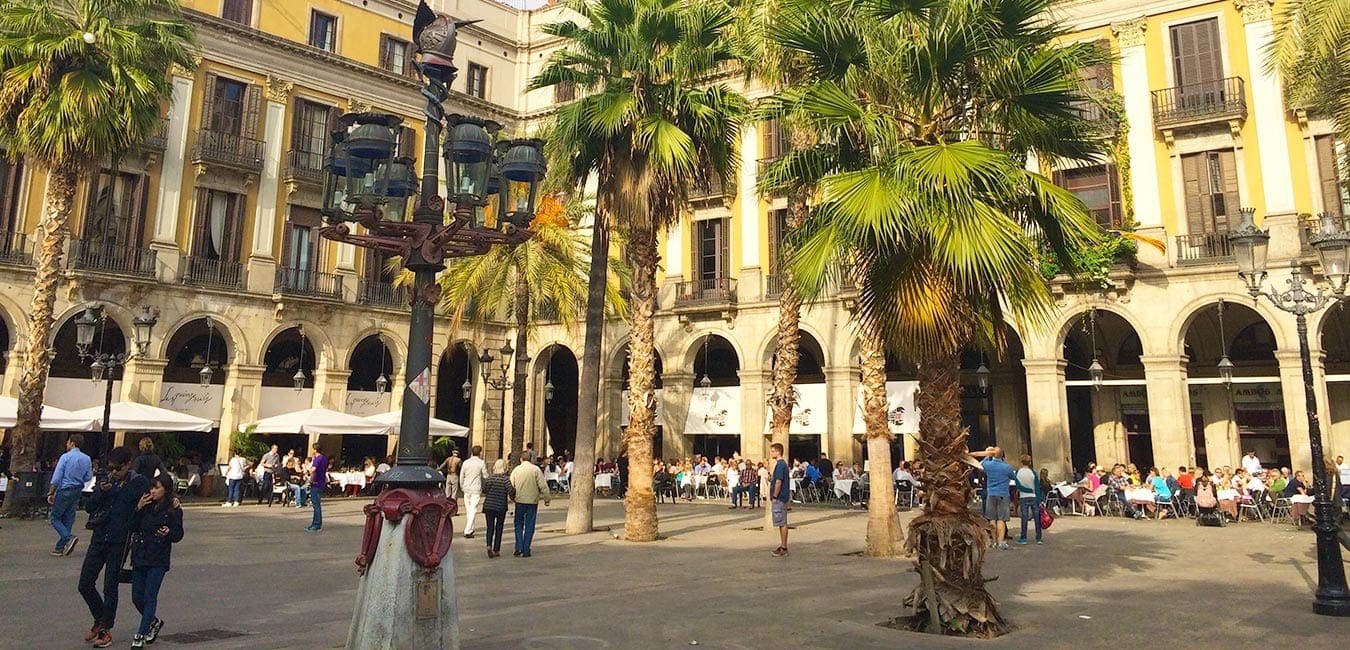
pixel 286 351
pixel 558 366
pixel 694 347
pixel 17 327
pixel 1249 338
pixel 67 363
pixel 398 348
pixel 770 343
pixel 188 349
pixel 318 339
pixel 450 403
pixel 1069 318
pixel 369 360
pixel 717 360
pixel 226 328
pixel 1176 332
pixel 1119 346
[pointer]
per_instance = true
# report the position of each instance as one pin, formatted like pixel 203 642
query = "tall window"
pixel 1098 187
pixel 302 246
pixel 323 31
pixel 711 252
pixel 310 130
pixel 239 11
pixel 1210 180
pixel 219 220
pixel 226 111
pixel 773 140
pixel 477 81
pixel 115 212
pixel 11 173
pixel 395 55
pixel 778 229
pixel 1335 195
pixel 1197 62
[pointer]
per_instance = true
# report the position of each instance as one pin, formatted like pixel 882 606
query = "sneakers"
pixel 468 535
pixel 313 529
pixel 138 641
pixel 70 546
pixel 779 552
pixel 154 630
pixel 93 633
pixel 1039 542
pixel 58 552
pixel 104 638
pixel 226 504
pixel 1002 546
pixel 1022 541
pixel 517 554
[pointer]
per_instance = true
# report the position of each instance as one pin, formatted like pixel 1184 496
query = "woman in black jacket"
pixel 157 526
pixel 496 491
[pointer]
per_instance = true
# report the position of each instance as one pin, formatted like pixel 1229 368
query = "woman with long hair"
pixel 156 527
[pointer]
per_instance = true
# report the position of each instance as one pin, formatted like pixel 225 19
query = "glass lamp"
pixel 1332 244
pixel 1249 245
pixel 522 170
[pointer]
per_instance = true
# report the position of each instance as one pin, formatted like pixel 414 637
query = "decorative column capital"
pixel 1253 11
pixel 278 89
pixel 1130 33
pixel 358 106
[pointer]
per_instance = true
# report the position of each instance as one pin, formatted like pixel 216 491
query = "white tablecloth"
pixel 348 478
pixel 602 480
pixel 843 488
pixel 4 484
pixel 1139 495
pixel 1227 495
pixel 1066 490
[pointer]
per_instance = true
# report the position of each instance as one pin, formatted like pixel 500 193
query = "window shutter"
pixel 252 108
pixel 1102 71
pixel 1231 200
pixel 299 117
pixel 696 258
pixel 142 199
pixel 209 119
pixel 723 248
pixel 775 239
pixel 1117 210
pixel 384 52
pixel 91 207
pixel 230 240
pixel 1191 174
pixel 407 142
pixel 1328 175
pixel 200 222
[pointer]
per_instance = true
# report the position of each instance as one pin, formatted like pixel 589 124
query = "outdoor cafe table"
pixel 843 488
pixel 1139 494
pixel 348 478
pixel 602 480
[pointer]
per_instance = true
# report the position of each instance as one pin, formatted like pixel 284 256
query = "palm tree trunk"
pixel 521 308
pixel 788 351
pixel 581 502
pixel 640 503
pixel 949 538
pixel 885 538
pixel 51 237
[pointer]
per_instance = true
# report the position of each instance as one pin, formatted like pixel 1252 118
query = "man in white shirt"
pixel 472 473
pixel 1251 463
pixel 902 474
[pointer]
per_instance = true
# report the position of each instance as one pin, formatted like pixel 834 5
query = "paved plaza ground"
pixel 253 574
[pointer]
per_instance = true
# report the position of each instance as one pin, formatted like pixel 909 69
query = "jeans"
pixel 265 488
pixel 524 520
pixel 301 495
pixel 318 509
pixel 236 487
pixel 747 490
pixel 1125 503
pixel 63 514
pixel 1029 508
pixel 496 521
pixel 145 583
pixel 104 557
pixel 472 502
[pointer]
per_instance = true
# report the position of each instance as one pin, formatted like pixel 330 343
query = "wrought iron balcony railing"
pixel 228 149
pixel 706 291
pixel 15 249
pixel 112 258
pixel 202 272
pixel 381 294
pixel 305 282
pixel 304 166
pixel 1204 248
pixel 1210 101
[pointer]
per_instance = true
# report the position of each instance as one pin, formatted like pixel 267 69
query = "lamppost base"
pixel 1329 607
pixel 411 477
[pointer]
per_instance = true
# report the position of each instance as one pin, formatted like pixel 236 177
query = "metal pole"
pixel 107 411
pixel 1332 598
pixel 501 425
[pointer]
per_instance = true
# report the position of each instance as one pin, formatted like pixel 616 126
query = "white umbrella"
pixel 317 422
pixel 53 418
pixel 438 427
pixel 134 416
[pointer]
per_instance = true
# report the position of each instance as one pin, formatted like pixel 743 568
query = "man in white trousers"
pixel 471 476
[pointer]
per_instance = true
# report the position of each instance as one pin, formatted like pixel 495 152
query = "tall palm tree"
pixel 540 280
pixel 932 107
pixel 651 127
pixel 81 82
pixel 1312 53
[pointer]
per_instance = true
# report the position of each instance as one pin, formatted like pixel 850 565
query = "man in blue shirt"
pixel 318 480
pixel 73 471
pixel 998 474
pixel 780 490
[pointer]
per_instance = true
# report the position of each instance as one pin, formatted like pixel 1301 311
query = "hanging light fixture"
pixel 381 382
pixel 1095 371
pixel 298 379
pixel 206 372
pixel 982 375
pixel 1225 365
pixel 548 383
pixel 466 387
pixel 705 382
pixel 96 370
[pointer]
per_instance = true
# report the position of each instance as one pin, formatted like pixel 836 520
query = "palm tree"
pixel 83 81
pixel 1312 53
pixel 930 110
pixel 540 280
pixel 651 128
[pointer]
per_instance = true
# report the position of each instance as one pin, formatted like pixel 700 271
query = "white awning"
pixel 715 411
pixel 133 416
pixel 900 412
pixel 319 422
pixel 53 418
pixel 438 427
pixel 810 415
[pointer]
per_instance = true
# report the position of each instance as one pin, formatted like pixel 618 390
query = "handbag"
pixel 1046 518
pixel 98 518
pixel 124 569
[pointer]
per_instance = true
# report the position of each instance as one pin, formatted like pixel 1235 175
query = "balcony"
pixel 15 249
pixel 305 282
pixel 1212 101
pixel 218 274
pixel 158 140
pixel 713 191
pixel 111 258
pixel 228 150
pixel 706 292
pixel 381 294
pixel 304 167
pixel 773 286
pixel 1204 248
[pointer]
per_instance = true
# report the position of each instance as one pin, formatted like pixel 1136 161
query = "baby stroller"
pixel 1207 508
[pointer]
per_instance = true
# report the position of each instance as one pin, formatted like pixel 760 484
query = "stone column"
pixel 1169 409
pixel 1267 108
pixel 749 231
pixel 1006 396
pixel 675 397
pixel 1295 409
pixel 1139 112
pixel 164 240
pixel 261 259
pixel 1049 416
pixel 841 404
pixel 243 394
pixel 609 425
pixel 141 380
pixel 1108 435
pixel 756 386
pixel 330 388
pixel 1221 435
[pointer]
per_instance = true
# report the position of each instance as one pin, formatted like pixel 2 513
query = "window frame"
pixel 314 17
pixel 387 58
pixel 247 14
pixel 481 72
pixel 1110 175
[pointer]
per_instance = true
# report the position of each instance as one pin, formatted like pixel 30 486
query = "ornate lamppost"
pixel 500 379
pixel 406 597
pixel 1332 244
pixel 102 365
